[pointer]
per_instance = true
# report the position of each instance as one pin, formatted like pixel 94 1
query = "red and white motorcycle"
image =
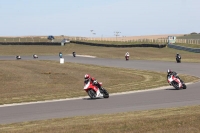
pixel 176 82
pixel 94 91
pixel 127 56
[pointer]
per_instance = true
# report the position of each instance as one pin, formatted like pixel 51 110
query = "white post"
pixel 62 60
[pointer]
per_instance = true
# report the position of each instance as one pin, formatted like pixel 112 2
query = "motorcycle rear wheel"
pixel 105 93
pixel 175 85
pixel 92 94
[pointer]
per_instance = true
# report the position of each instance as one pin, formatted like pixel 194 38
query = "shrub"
pixel 193 33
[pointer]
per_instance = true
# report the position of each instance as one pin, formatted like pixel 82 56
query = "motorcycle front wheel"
pixel 92 94
pixel 184 86
pixel 105 93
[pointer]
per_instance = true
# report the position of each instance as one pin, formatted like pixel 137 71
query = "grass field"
pixel 40 80
pixel 23 39
pixel 173 120
pixel 25 81
pixel 163 54
pixel 189 36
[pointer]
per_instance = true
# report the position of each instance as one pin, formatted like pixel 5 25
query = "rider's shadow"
pixel 92 99
pixel 172 89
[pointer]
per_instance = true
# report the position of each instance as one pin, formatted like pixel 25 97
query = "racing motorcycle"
pixel 60 54
pixel 18 57
pixel 35 56
pixel 95 90
pixel 175 80
pixel 178 59
pixel 74 54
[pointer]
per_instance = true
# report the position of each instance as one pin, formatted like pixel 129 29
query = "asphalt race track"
pixel 156 99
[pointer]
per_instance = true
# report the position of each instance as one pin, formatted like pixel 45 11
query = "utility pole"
pixel 116 33
pixel 91 33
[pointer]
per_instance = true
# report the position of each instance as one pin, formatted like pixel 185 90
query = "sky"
pixel 104 17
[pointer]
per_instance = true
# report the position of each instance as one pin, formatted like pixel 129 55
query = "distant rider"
pixel 74 54
pixel 60 54
pixel 177 55
pixel 127 54
pixel 92 80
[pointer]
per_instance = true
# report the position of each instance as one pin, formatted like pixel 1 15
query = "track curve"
pixel 118 103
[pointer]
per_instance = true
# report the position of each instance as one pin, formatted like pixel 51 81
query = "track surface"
pixel 119 103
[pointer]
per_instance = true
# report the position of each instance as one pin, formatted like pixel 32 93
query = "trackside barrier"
pixel 30 43
pixel 120 46
pixel 85 43
pixel 194 50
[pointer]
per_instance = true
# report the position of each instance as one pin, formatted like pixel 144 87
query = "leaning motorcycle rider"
pixel 169 73
pixel 92 80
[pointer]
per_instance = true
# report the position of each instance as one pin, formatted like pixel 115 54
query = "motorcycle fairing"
pixel 90 86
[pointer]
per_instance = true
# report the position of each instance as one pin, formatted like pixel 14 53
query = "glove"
pixel 95 81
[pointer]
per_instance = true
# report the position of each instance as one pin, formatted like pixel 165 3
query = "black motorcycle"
pixel 18 57
pixel 74 54
pixel 178 59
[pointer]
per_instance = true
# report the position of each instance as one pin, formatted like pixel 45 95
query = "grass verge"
pixel 161 54
pixel 25 81
pixel 173 120
pixel 120 42
pixel 189 45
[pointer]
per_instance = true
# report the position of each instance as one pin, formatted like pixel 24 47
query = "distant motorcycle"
pixel 60 55
pixel 178 59
pixel 18 57
pixel 174 81
pixel 35 56
pixel 94 91
pixel 74 54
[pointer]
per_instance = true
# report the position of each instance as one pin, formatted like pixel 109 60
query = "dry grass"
pixel 164 54
pixel 139 37
pixel 174 120
pixel 24 81
pixel 189 36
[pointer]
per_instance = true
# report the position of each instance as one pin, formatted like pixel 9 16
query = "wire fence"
pixel 119 39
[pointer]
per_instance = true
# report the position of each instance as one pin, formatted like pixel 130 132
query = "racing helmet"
pixel 87 77
pixel 169 71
